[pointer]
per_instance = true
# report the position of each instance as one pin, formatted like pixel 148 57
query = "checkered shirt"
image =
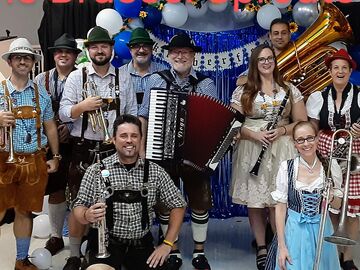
pixel 324 147
pixel 127 217
pixel 26 97
pixel 139 82
pixel 206 87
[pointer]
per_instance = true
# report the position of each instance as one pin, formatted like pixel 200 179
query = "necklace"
pixel 308 167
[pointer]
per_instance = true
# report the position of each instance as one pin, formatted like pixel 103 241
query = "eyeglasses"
pixel 138 46
pixel 308 139
pixel 26 57
pixel 185 53
pixel 262 60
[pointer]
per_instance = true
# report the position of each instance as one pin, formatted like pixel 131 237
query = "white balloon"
pixel 135 23
pixel 195 12
pixel 83 247
pixel 41 226
pixel 175 15
pixel 110 20
pixel 281 3
pixel 218 7
pixel 41 258
pixel 266 15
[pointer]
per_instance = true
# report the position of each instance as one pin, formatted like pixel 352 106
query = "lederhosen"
pixel 29 171
pixel 83 150
pixel 58 180
pixel 196 184
pixel 121 246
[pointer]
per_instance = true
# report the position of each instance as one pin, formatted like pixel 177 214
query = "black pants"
pixel 133 257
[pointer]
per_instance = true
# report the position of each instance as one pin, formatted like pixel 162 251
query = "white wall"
pixel 23 20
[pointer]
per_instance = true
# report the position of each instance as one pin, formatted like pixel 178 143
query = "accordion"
pixel 190 128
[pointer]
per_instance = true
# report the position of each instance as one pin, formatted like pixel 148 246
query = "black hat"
pixel 98 35
pixel 65 42
pixel 182 40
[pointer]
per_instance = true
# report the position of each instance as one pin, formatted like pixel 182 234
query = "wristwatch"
pixel 58 156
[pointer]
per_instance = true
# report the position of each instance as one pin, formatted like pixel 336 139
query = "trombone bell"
pixel 340 238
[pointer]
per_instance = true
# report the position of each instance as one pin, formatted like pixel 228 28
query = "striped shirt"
pixel 127 216
pixel 139 82
pixel 23 127
pixel 105 86
pixel 206 87
pixel 55 95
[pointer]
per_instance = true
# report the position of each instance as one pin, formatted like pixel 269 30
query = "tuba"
pixel 303 62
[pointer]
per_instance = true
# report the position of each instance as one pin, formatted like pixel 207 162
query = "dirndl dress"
pixel 302 226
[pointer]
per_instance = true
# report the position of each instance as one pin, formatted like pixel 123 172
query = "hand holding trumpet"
pixel 7 119
pixel 91 103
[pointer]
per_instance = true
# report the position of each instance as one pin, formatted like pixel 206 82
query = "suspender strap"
pixel 84 123
pixel 47 82
pixel 38 119
pixel 144 195
pixel 117 92
pixel 168 77
pixel 135 195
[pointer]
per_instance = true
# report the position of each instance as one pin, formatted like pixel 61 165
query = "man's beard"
pixel 102 62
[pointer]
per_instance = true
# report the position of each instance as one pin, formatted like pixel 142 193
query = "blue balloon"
pixel 297 34
pixel 354 51
pixel 355 77
pixel 128 10
pixel 153 18
pixel 120 47
pixel 117 61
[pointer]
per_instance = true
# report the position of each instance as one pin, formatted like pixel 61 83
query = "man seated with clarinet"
pixel 121 192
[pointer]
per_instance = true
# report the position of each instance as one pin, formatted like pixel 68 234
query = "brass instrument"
pixel 340 237
pixel 303 62
pixel 96 118
pixel 8 133
pixel 101 225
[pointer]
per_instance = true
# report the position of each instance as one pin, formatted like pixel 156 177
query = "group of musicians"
pixel 93 123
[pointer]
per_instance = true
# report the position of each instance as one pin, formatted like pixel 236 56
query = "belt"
pixel 142 242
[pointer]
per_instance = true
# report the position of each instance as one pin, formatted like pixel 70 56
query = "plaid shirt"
pixel 26 97
pixel 127 217
pixel 106 89
pixel 206 87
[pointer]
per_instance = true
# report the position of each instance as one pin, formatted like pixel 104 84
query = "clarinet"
pixel 255 170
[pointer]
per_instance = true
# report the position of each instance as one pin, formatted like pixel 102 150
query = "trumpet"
pixel 101 225
pixel 96 118
pixel 340 237
pixel 8 133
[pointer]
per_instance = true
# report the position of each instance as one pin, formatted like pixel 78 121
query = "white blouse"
pixel 281 192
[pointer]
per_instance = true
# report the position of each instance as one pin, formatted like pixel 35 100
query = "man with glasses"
pixel 182 77
pixel 64 52
pixel 99 85
pixel 27 116
pixel 141 66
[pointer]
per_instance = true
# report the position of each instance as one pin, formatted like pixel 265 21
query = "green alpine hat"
pixel 140 35
pixel 98 35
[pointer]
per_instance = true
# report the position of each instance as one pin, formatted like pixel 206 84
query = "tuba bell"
pixel 303 62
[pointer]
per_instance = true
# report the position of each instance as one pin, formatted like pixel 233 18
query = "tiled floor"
pixel 229 247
